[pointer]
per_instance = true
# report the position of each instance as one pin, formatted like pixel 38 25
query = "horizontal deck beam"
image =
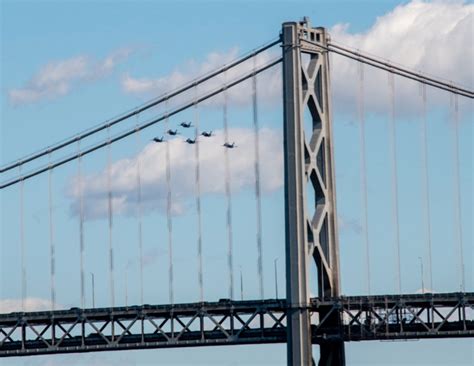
pixel 227 322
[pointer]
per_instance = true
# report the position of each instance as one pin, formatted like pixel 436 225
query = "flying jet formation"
pixel 229 146
pixel 172 133
pixel 158 139
pixel 206 134
pixel 185 125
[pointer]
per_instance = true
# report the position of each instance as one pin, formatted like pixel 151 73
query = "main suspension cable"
pixel 395 65
pixel 401 71
pixel 129 132
pixel 164 97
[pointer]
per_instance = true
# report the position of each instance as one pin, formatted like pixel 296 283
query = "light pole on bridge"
pixel 93 289
pixel 422 277
pixel 276 277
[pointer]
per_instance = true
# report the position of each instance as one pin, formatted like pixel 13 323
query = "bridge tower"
pixel 311 228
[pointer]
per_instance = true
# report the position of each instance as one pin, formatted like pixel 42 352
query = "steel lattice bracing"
pixel 137 327
pixel 234 323
pixel 398 317
pixel 309 172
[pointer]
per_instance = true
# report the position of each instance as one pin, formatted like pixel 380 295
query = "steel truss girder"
pixel 392 317
pixel 364 318
pixel 146 326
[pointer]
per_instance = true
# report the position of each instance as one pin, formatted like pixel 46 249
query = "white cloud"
pixel 132 85
pixel 269 82
pixel 425 291
pixel 434 37
pixel 112 60
pixel 153 173
pixel 30 303
pixel 57 78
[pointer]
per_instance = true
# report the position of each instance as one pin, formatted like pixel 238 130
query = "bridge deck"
pixel 228 322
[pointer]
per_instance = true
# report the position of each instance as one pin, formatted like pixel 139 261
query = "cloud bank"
pixel 57 78
pixel 269 82
pixel 31 304
pixel 433 37
pixel 152 164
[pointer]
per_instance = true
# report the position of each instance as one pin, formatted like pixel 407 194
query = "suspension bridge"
pixel 314 310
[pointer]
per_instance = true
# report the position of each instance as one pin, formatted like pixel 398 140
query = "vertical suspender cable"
pixel 81 222
pixel 457 187
pixel 52 254
pixel 425 182
pixel 393 158
pixel 111 216
pixel 139 211
pixel 363 174
pixel 168 212
pixel 198 198
pixel 22 243
pixel 257 179
pixel 230 261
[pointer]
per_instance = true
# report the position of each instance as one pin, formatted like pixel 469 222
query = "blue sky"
pixel 69 65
